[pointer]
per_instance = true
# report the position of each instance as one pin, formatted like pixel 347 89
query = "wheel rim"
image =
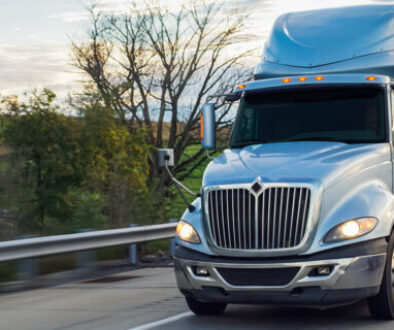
pixel 392 272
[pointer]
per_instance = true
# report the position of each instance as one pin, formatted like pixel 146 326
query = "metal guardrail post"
pixel 172 241
pixel 86 260
pixel 27 268
pixel 133 252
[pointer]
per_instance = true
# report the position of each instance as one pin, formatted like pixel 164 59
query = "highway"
pixel 147 298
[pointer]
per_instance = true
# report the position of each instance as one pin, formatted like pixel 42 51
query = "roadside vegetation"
pixel 66 173
pixel 94 166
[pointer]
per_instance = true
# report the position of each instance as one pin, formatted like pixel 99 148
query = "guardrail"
pixel 56 244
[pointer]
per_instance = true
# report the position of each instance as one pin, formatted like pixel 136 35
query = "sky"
pixel 35 36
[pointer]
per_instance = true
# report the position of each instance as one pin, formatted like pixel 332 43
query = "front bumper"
pixel 352 277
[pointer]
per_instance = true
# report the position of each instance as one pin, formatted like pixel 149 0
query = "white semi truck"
pixel 299 210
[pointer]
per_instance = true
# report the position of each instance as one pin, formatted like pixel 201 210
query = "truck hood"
pixel 316 162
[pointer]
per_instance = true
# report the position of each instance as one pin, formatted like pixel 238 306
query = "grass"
pixel 8 271
pixel 175 207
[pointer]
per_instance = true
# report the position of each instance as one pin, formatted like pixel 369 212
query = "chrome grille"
pixel 274 219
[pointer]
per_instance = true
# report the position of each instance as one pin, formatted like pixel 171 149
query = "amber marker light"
pixel 371 78
pixel 286 80
pixel 319 78
pixel 302 78
pixel 201 127
pixel 241 86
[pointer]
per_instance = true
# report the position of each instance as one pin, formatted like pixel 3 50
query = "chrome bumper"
pixel 348 273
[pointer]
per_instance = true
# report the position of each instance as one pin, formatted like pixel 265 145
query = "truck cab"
pixel 299 210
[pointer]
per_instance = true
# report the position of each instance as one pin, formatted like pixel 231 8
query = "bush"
pixel 73 172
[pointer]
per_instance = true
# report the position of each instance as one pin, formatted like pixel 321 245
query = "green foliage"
pixel 48 144
pixel 117 166
pixel 175 205
pixel 74 172
pixel 88 210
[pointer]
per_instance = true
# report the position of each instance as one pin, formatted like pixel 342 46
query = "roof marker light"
pixel 241 86
pixel 319 78
pixel 302 78
pixel 286 80
pixel 371 78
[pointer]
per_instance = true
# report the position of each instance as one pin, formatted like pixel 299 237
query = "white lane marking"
pixel 163 321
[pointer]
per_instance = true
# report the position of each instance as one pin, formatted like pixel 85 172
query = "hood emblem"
pixel 256 187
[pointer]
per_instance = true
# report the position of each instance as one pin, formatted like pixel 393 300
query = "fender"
pixel 367 194
pixel 195 218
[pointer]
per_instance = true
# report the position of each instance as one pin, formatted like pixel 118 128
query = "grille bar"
pixel 274 219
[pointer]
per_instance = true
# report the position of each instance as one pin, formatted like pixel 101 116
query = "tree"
pixel 155 67
pixel 116 166
pixel 84 171
pixel 48 148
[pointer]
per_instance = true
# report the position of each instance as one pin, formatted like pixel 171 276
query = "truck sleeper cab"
pixel 299 209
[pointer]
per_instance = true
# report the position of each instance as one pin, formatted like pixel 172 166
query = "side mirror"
pixel 208 126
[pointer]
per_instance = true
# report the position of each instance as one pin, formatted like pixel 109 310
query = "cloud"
pixel 25 67
pixel 118 7
pixel 39 63
pixel 42 63
pixel 72 16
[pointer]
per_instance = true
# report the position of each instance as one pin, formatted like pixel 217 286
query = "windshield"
pixel 345 114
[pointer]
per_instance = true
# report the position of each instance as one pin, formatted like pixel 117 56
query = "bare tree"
pixel 155 68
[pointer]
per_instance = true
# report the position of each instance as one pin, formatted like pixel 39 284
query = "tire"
pixel 382 305
pixel 205 308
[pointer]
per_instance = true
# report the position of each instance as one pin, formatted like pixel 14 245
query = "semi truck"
pixel 299 209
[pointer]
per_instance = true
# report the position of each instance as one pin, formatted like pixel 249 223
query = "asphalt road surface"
pixel 148 299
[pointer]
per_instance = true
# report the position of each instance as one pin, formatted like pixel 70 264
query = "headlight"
pixel 187 233
pixel 351 229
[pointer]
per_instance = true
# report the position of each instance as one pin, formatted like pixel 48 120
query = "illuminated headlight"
pixel 351 229
pixel 187 233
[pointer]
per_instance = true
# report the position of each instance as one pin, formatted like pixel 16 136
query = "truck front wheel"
pixel 204 308
pixel 382 305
